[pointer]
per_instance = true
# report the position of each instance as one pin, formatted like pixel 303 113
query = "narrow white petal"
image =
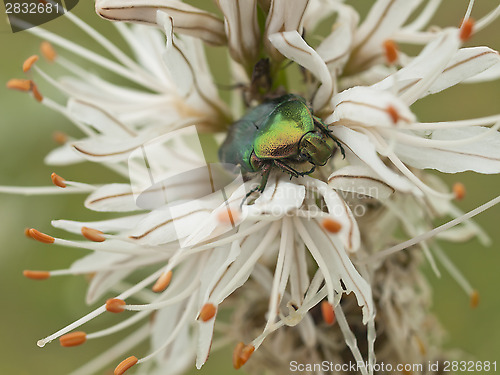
pixel 188 19
pixel 359 145
pixel 291 45
pixel 112 197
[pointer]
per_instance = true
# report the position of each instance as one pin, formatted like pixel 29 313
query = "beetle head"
pixel 317 147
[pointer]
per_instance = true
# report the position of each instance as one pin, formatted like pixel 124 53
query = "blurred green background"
pixel 31 310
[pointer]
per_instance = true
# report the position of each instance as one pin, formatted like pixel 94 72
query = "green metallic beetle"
pixel 279 133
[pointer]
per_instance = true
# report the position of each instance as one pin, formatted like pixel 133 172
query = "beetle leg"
pixel 328 132
pixel 266 170
pixel 286 168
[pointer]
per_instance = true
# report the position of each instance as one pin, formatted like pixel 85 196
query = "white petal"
pixel 467 63
pixel 63 155
pixel 205 334
pixel 188 19
pixel 279 198
pixel 108 149
pixel 242 29
pixel 291 45
pixel 490 74
pixel 283 17
pixel 112 225
pixel 360 145
pixel 482 156
pixel 385 18
pixel 338 210
pixel 112 197
pixel 103 282
pixel 335 48
pixel 413 81
pixel 361 180
pixel 98 118
pixel 367 106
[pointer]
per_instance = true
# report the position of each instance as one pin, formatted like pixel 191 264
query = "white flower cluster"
pixel 316 240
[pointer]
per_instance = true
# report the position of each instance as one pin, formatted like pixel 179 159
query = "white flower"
pixel 303 241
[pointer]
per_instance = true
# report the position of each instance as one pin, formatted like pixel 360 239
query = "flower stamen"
pixel 20 84
pixel 125 365
pixel 28 63
pixel 115 305
pixel 391 51
pixel 73 339
pixel 242 354
pixel 57 180
pixel 459 191
pixel 41 237
pixel 207 312
pixel 332 226
pixel 466 30
pixel 474 299
pixel 328 312
pixel 162 282
pixel 93 234
pixel 36 275
pixel 48 51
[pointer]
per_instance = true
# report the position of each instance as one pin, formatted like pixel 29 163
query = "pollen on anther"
pixel 48 51
pixel 474 299
pixel 332 226
pixel 93 234
pixel 20 84
pixel 36 275
pixel 73 339
pixel 391 51
pixel 459 191
pixel 242 354
pixel 41 237
pixel 36 93
pixel 162 282
pixel 115 305
pixel 328 312
pixel 57 180
pixel 59 137
pixel 237 355
pixel 125 365
pixel 393 113
pixel 207 312
pixel 227 216
pixel 28 63
pixel 466 30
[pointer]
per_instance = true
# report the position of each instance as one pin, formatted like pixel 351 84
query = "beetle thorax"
pixel 317 147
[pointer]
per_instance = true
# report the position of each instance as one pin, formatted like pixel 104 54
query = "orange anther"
pixel 73 339
pixel 20 84
pixel 227 216
pixel 28 63
pixel 237 355
pixel 59 137
pixel 125 365
pixel 474 299
pixel 328 312
pixel 162 282
pixel 93 234
pixel 207 312
pixel 393 113
pixel 115 305
pixel 36 275
pixel 391 51
pixel 57 180
pixel 246 353
pixel 466 30
pixel 48 51
pixel 27 232
pixel 332 226
pixel 41 237
pixel 459 190
pixel 36 94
